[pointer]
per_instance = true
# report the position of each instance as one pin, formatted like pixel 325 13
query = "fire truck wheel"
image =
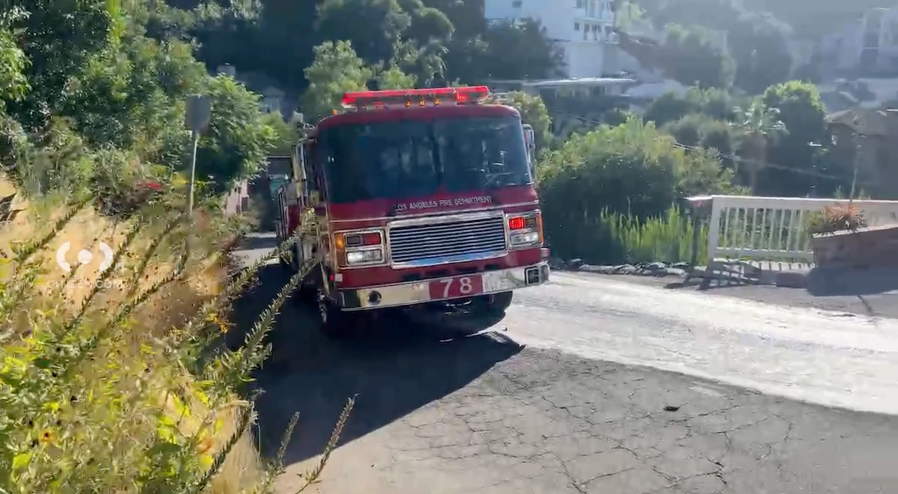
pixel 336 324
pixel 493 305
pixel 308 292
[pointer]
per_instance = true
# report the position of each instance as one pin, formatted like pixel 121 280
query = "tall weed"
pixel 667 238
pixel 100 391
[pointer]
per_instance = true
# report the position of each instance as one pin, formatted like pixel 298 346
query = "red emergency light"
pixel 421 97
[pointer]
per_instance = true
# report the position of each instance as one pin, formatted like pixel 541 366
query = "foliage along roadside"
pixel 103 388
pixel 632 169
pixel 92 98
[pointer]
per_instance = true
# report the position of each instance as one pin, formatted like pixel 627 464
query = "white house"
pixel 868 45
pixel 583 28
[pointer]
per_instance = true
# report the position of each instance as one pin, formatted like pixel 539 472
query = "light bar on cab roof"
pixel 405 97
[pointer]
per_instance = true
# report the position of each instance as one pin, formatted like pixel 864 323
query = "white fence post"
pixel 714 227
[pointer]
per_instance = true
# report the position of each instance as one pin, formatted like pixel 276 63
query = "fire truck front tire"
pixel 493 305
pixel 335 323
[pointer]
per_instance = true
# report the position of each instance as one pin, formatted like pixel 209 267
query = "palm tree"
pixel 759 126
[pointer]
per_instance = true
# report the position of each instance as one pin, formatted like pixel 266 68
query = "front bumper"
pixel 418 292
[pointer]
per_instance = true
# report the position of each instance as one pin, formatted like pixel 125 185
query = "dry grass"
pixel 104 389
pixel 170 308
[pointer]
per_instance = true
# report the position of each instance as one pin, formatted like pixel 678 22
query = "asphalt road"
pixel 452 405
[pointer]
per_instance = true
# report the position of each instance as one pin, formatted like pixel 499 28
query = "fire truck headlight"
pixel 367 256
pixel 525 230
pixel 522 239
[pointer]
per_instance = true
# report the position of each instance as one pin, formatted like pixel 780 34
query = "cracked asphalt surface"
pixel 460 406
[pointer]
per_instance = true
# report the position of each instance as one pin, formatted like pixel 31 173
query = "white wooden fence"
pixel 775 228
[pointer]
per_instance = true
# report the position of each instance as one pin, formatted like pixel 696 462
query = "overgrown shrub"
pixel 713 103
pixel 101 384
pixel 632 169
pixel 666 238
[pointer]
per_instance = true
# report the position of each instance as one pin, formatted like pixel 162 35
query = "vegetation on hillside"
pixel 106 392
pixel 632 169
pixel 108 383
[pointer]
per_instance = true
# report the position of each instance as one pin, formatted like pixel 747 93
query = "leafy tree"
pixel 669 107
pixel 139 85
pixel 283 43
pixel 695 59
pixel 632 169
pixel 336 70
pixel 534 112
pixel 286 134
pixel 382 29
pixel 238 139
pixel 372 27
pixel 394 78
pixel 57 39
pixel 517 51
pixel 803 114
pixel 13 63
pixel 756 41
pixel 759 44
pixel 759 127
pixel 698 129
pixel 424 63
pixel 701 130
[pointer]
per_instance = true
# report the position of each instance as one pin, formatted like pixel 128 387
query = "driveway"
pixel 451 405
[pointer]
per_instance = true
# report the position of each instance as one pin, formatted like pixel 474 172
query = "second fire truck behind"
pixel 419 196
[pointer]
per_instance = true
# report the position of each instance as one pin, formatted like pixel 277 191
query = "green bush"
pixel 667 238
pixel 631 169
pixel 106 384
pixel 713 103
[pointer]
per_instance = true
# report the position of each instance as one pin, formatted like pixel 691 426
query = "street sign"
pixel 197 117
pixel 199 112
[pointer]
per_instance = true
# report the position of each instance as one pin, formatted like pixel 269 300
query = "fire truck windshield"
pixel 394 160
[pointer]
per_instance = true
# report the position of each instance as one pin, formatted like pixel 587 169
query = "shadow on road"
pixel 840 282
pixel 398 364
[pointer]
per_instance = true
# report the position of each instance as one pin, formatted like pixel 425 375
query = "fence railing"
pixel 775 228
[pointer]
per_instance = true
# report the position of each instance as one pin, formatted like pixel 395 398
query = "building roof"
pixel 869 122
pixel 583 81
pixel 586 81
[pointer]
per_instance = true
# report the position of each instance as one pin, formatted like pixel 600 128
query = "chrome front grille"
pixel 423 243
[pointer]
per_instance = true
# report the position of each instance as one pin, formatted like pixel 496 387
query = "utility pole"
pixel 197 117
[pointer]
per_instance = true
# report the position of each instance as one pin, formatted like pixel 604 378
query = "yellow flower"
pixel 47 437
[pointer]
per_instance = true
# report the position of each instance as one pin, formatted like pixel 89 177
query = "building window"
pixel 576 26
pixel 516 4
pixel 579 4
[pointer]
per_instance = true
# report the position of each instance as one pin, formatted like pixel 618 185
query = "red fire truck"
pixel 419 197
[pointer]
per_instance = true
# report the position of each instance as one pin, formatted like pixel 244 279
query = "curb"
pixel 741 274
